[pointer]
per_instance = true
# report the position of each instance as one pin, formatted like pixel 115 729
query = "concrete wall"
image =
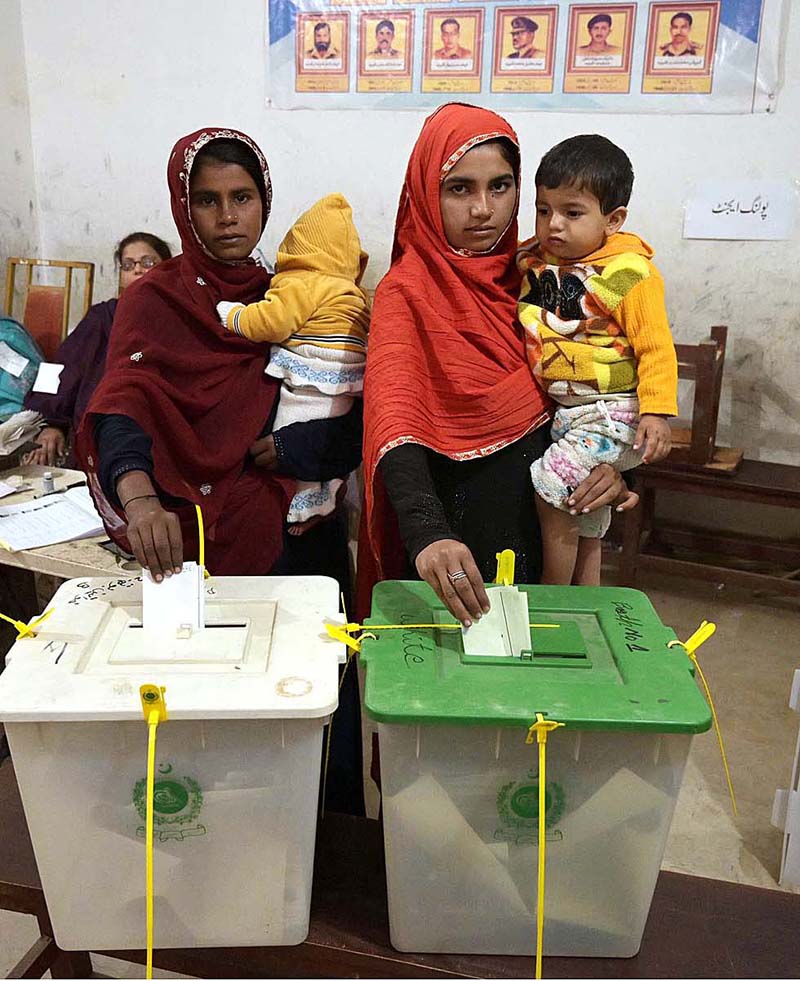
pixel 111 87
pixel 18 211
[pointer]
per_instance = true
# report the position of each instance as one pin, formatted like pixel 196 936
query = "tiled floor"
pixel 749 664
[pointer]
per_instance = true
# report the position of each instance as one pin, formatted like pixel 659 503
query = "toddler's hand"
pixel 653 438
pixel 224 309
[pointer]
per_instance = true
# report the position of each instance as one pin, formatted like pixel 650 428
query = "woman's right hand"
pixel 466 599
pixel 52 446
pixel 155 537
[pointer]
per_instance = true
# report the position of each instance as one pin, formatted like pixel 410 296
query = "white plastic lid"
pixel 263 654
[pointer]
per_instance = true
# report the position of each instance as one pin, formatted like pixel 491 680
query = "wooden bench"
pixel 656 545
pixel 697 466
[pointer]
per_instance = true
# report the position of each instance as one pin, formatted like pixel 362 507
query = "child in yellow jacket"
pixel 316 316
pixel 598 341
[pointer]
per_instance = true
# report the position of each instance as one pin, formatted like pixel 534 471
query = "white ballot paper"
pixel 173 603
pixel 48 520
pixel 48 378
pixel 11 361
pixel 503 631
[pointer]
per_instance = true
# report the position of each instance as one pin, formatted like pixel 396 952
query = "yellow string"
pixel 341 682
pixel 699 637
pixel 344 631
pixel 27 629
pixel 201 557
pixel 152 725
pixel 155 710
pixel 541 727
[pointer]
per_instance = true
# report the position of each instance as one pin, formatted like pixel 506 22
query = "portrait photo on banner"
pixel 322 42
pixel 453 41
pixel 523 51
pixel 385 50
pixel 681 39
pixel 600 37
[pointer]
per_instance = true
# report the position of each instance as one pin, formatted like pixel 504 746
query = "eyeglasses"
pixel 128 265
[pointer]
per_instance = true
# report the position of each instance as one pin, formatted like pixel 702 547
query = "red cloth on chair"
pixel 446 366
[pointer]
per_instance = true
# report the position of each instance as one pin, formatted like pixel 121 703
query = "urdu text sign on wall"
pixel 714 56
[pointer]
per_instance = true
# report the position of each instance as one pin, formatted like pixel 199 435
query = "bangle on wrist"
pixel 139 497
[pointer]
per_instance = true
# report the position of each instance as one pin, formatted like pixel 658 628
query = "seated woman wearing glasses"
pixel 83 354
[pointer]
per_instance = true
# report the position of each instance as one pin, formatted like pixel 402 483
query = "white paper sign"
pixel 48 378
pixel 13 363
pixel 741 209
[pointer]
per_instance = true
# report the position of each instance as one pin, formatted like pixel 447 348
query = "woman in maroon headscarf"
pixel 453 416
pixel 183 414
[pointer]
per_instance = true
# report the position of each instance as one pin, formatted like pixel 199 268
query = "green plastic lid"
pixel 605 666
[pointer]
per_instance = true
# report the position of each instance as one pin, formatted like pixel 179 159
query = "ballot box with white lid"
pixel 460 770
pixel 237 761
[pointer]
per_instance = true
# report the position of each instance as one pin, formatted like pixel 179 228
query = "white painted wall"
pixel 18 211
pixel 113 85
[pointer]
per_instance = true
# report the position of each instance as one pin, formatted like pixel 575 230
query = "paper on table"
pixel 48 520
pixel 11 361
pixel 6 489
pixel 175 602
pixel 48 378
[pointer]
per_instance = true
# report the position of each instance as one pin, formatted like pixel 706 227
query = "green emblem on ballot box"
pixel 518 811
pixel 177 802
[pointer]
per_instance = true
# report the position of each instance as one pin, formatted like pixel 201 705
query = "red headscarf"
pixel 446 366
pixel 197 389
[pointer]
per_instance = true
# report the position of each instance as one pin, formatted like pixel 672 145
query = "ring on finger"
pixel 455 577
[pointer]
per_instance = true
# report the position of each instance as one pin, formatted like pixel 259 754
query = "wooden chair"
pixel 45 309
pixel 697 466
pixel 694 443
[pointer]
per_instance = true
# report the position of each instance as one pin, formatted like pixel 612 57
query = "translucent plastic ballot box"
pixel 460 785
pixel 237 761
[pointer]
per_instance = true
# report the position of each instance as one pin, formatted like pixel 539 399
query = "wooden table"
pixel 698 928
pixel 67 560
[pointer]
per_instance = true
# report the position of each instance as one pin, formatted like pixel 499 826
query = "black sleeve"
pixel 322 448
pixel 122 445
pixel 409 484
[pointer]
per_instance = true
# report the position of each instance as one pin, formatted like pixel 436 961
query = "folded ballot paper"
pixel 23 427
pixel 59 517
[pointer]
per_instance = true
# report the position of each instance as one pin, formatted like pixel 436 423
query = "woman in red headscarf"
pixel 183 414
pixel 453 416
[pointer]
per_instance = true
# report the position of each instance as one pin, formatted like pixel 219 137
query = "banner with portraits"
pixel 643 56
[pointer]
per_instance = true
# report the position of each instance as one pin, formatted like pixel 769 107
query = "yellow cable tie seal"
pixel 505 567
pixel 155 711
pixel 541 727
pixel 698 638
pixel 27 629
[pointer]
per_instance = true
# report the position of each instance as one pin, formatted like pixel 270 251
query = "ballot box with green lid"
pixel 237 761
pixel 460 784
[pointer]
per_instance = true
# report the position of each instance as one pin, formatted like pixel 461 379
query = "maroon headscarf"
pixel 197 389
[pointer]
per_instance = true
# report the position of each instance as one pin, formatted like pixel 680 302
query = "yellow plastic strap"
pixel 27 629
pixel 201 536
pixel 698 638
pixel 505 567
pixel 541 727
pixel 155 711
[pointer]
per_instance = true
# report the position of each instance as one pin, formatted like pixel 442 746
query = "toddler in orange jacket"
pixel 598 341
